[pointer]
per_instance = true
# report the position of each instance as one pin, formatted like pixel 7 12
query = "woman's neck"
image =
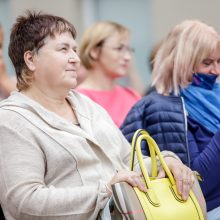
pixel 49 100
pixel 97 80
pixel 54 103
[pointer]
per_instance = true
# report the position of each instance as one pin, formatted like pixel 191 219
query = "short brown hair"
pixel 28 34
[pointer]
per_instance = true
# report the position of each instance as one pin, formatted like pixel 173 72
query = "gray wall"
pixel 167 13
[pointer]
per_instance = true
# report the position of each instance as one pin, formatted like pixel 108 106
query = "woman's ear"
pixel 29 60
pixel 94 53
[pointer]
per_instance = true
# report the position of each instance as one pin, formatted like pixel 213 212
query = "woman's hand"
pixel 131 177
pixel 182 174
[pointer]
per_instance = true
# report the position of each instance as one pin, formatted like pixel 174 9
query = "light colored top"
pixel 117 102
pixel 52 168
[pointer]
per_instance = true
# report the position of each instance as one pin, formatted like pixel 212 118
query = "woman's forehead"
pixel 60 37
pixel 118 36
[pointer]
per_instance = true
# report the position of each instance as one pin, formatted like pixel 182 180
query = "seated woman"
pixel 183 114
pixel 106 56
pixel 60 151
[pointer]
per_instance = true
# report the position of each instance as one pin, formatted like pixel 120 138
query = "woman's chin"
pixel 72 84
pixel 120 74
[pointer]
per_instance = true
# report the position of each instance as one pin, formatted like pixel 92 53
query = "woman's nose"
pixel 74 58
pixel 215 69
pixel 127 55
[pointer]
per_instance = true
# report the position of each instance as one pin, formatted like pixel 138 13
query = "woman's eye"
pixel 64 49
pixel 207 62
pixel 75 50
pixel 120 48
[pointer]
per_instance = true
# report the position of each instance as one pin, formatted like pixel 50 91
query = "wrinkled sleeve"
pixel 23 189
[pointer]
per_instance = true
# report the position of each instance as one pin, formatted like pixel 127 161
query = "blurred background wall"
pixel 149 20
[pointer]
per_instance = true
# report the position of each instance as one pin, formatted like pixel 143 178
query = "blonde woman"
pixel 106 56
pixel 183 113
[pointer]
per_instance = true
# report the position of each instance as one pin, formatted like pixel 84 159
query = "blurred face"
pixel 56 63
pixel 211 64
pixel 115 55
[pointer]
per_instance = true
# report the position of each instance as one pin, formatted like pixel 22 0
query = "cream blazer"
pixel 52 169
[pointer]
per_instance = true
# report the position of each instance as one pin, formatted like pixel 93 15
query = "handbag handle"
pixel 152 152
pixel 139 136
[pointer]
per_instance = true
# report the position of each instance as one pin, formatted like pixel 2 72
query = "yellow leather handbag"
pixel 161 201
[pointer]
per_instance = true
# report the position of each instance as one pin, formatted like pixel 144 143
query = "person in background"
pixel 6 83
pixel 183 114
pixel 60 152
pixel 106 56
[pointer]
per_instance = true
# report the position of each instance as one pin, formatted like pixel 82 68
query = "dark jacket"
pixel 163 117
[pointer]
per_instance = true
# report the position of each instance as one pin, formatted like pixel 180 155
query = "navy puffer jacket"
pixel 163 117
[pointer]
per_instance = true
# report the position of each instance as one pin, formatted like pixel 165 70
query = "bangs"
pixel 60 27
pixel 55 28
pixel 209 45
